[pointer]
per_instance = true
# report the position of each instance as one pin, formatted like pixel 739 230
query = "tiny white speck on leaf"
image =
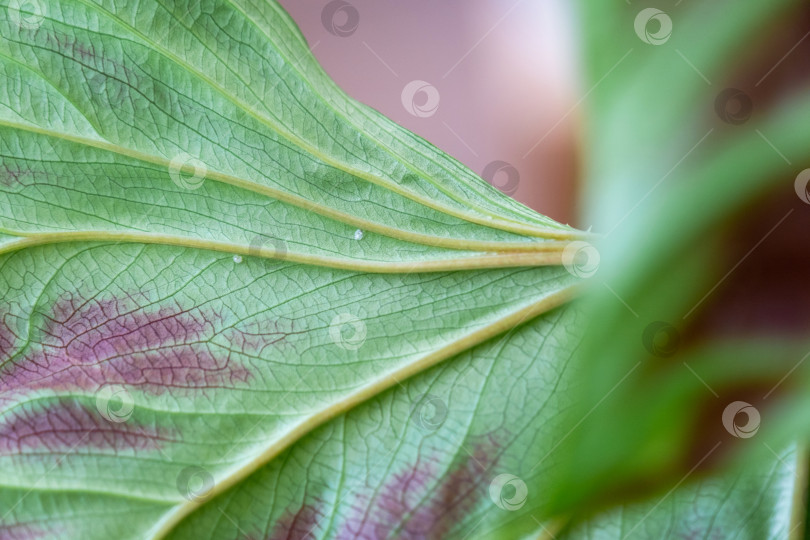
pixel 358 234
pixel 237 259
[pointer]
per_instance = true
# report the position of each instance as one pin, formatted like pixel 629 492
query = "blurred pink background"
pixel 506 74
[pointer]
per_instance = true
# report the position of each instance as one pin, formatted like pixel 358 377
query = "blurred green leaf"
pixel 753 504
pixel 669 174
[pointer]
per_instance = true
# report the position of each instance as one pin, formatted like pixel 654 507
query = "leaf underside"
pixel 238 304
pixel 300 301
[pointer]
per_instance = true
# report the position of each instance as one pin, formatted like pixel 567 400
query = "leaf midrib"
pixel 473 262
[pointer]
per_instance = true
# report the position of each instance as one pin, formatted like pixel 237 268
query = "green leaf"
pixel 239 304
pixel 222 367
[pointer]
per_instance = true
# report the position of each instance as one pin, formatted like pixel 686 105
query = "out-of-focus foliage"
pixel 691 133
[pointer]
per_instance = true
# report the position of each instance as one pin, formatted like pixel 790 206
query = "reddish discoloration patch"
pixel 67 425
pixel 71 46
pixel 8 338
pixel 12 175
pixel 85 54
pixel 698 534
pixel 86 343
pixel 22 531
pixel 420 503
pixel 298 525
